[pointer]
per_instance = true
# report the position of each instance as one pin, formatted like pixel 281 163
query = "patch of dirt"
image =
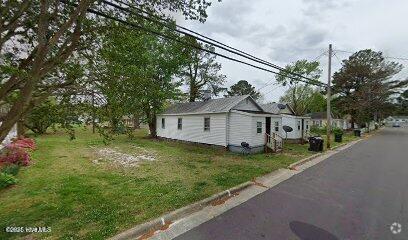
pixel 115 156
pixel 151 233
pixel 223 199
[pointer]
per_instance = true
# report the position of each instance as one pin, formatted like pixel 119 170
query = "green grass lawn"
pixel 63 188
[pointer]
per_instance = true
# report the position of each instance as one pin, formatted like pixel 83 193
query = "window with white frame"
pixel 207 124
pixel 180 124
pixel 298 125
pixel 258 127
pixel 277 126
pixel 163 123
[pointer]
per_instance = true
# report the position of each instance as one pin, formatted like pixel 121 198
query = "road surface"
pixel 358 193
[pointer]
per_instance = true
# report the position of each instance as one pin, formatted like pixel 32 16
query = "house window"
pixel 307 125
pixel 207 124
pixel 179 123
pixel 258 127
pixel 276 126
pixel 298 125
pixel 163 123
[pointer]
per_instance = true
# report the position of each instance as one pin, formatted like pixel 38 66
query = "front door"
pixel 268 125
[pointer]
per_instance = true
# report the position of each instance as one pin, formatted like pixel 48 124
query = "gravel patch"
pixel 114 156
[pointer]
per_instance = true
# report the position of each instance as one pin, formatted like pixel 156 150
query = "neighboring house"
pixel 224 122
pixel 299 124
pixel 13 132
pixel 319 119
pixel 400 120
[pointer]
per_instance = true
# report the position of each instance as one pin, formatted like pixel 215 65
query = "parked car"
pixel 396 125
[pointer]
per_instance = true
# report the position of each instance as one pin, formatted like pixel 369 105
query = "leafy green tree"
pixel 401 106
pixel 243 87
pixel 142 81
pixel 42 117
pixel 36 37
pixel 364 85
pixel 316 102
pixel 299 94
pixel 202 71
pixel 298 97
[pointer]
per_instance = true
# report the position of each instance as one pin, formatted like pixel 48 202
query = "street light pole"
pixel 328 111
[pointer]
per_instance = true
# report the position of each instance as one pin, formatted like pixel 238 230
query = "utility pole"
pixel 328 127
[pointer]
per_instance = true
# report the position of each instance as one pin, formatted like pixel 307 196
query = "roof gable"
pixel 274 108
pixel 219 105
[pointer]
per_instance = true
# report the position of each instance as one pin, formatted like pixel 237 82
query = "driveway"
pixel 356 194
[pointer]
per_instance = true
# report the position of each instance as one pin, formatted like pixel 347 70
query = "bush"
pixel 316 130
pixel 6 180
pixel 11 169
pixel 26 143
pixel 14 154
pixel 338 131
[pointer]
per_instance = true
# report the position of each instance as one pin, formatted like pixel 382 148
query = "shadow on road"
pixel 307 231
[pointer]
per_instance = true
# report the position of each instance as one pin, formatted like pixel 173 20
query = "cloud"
pixel 285 31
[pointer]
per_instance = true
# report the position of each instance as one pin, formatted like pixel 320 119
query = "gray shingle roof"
pixel 321 115
pixel 273 108
pixel 210 106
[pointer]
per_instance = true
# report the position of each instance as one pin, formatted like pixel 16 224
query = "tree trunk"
pixel 136 122
pixel 152 126
pixel 21 129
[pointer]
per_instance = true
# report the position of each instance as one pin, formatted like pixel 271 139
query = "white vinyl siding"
pixel 240 129
pixel 295 123
pixel 193 128
pixel 257 138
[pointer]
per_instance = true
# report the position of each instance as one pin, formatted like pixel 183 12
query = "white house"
pixel 396 120
pixel 300 124
pixel 226 122
pixel 319 119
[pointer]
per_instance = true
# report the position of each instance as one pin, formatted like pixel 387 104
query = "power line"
pixel 203 38
pixel 320 56
pixel 338 59
pixel 389 57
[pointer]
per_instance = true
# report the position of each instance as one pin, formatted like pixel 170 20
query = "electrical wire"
pixel 203 38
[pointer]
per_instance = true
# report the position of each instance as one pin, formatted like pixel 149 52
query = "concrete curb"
pixel 159 222
pixel 308 159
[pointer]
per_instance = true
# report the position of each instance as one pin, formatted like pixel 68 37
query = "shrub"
pixel 316 130
pixel 338 131
pixel 6 180
pixel 15 155
pixel 11 169
pixel 26 143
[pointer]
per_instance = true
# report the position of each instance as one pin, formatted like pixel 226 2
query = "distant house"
pixel 299 124
pixel 319 119
pixel 401 120
pixel 226 122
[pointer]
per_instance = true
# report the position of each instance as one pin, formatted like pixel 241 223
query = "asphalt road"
pixel 356 194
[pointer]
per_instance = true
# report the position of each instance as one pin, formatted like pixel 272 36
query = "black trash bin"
pixel 320 142
pixel 357 132
pixel 316 144
pixel 338 137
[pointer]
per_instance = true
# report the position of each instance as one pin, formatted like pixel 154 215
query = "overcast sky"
pixel 285 31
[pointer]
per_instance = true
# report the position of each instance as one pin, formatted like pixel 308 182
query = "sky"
pixel 282 32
